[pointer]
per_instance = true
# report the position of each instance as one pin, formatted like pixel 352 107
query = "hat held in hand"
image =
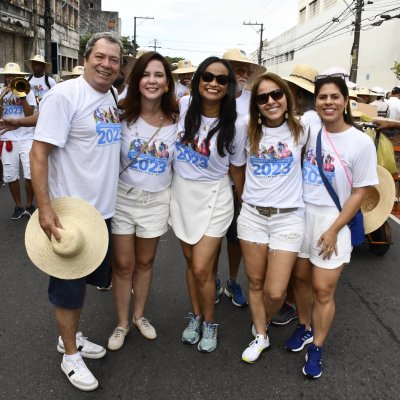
pixel 83 244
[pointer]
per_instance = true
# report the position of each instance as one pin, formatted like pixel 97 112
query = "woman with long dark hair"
pixel 142 209
pixel 271 223
pixel 348 159
pixel 209 148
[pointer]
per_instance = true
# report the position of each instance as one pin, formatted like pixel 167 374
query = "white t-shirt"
pixel 184 104
pixel 311 118
pixel 151 170
pixel 39 87
pixel 358 154
pixel 181 90
pixel 84 126
pixel 12 109
pixel 273 175
pixel 123 94
pixel 195 161
pixel 394 108
pixel 243 103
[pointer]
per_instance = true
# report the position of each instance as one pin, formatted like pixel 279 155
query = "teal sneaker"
pixel 208 342
pixel 191 335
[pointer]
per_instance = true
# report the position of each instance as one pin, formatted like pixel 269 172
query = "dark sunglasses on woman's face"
pixel 263 98
pixel 209 77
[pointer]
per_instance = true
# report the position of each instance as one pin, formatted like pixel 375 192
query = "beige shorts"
pixel 139 212
pixel 318 220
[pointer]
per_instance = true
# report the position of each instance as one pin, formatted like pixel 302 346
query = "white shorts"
pixel 10 160
pixel 142 213
pixel 318 220
pixel 280 231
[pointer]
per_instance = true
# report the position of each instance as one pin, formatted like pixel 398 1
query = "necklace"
pixel 210 124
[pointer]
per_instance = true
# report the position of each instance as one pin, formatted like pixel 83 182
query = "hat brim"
pixel 378 203
pixel 188 70
pixel 304 84
pixel 14 73
pixel 48 66
pixel 84 218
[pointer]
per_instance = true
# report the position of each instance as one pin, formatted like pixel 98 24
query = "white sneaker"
pixel 253 329
pixel 256 347
pixel 117 338
pixel 86 348
pixel 145 328
pixel 79 374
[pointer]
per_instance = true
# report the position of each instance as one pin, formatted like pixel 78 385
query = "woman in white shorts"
pixel 349 164
pixel 209 148
pixel 271 223
pixel 142 209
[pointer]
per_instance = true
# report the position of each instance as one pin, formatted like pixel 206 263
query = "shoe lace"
pixel 145 322
pixel 194 324
pixel 79 367
pixel 118 332
pixel 210 331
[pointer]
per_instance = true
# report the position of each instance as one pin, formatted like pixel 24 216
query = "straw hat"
pixel 76 71
pixel 40 59
pixel 378 203
pixel 12 68
pixel 184 67
pixel 303 76
pixel 363 92
pixel 83 245
pixel 239 55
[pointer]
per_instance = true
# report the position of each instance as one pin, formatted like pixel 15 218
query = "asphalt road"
pixel 361 359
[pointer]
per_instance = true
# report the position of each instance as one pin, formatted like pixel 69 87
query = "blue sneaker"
pixel 234 291
pixel 18 213
pixel 218 290
pixel 191 335
pixel 208 342
pixel 299 339
pixel 313 366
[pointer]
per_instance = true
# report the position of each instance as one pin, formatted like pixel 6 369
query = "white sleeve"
pixel 364 165
pixel 238 158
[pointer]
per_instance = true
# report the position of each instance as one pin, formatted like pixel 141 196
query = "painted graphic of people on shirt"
pixel 310 168
pixel 108 125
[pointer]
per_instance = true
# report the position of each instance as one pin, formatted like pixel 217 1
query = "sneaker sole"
pixel 311 376
pixel 190 343
pixel 284 323
pixel 205 350
pixel 254 361
pixel 228 294
pixel 84 354
pixel 146 337
pixel 308 341
pixel 77 385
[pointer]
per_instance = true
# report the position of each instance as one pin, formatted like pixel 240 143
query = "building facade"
pixel 93 19
pixel 323 38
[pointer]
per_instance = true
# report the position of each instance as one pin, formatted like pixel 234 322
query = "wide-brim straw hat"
pixel 303 76
pixel 378 203
pixel 12 68
pixel 76 71
pixel 83 244
pixel 184 67
pixel 363 92
pixel 40 59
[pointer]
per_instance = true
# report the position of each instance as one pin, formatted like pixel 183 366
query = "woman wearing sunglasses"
pixel 348 161
pixel 271 223
pixel 142 209
pixel 209 148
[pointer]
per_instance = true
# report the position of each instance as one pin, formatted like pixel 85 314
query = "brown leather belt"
pixel 268 211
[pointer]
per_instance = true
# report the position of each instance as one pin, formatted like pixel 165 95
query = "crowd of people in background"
pixel 222 149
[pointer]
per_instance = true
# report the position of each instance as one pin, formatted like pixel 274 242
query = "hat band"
pixel 302 77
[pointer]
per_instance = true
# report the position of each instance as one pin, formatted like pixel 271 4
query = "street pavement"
pixel 361 356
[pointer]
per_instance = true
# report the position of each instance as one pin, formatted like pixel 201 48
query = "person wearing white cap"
pixel 394 104
pixel 76 154
pixel 381 106
pixel 185 72
pixel 16 145
pixel 40 81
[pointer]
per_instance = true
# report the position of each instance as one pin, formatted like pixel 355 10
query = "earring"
pixel 286 115
pixel 166 90
pixel 259 121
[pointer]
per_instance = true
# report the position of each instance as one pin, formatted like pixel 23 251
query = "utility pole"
pixel 356 43
pixel 48 22
pixel 134 32
pixel 155 44
pixel 261 39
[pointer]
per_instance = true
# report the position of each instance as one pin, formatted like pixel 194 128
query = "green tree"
pixel 127 44
pixel 82 43
pixel 396 69
pixel 172 60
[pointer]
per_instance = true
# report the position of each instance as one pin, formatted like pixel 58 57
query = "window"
pixel 91 6
pixel 302 16
pixel 329 3
pixel 314 8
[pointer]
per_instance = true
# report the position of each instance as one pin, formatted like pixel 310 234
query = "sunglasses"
pixel 242 71
pixel 263 98
pixel 338 75
pixel 209 77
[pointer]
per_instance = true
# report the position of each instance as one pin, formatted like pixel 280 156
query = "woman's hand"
pixel 328 244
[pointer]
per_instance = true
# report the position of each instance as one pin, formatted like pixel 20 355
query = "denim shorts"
pixel 70 293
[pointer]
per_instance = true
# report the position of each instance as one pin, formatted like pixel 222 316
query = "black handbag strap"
pixel 327 184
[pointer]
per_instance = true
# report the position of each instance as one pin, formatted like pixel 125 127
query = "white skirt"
pixel 200 209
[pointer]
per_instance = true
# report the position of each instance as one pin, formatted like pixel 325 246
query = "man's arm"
pixel 383 124
pixel 48 219
pixel 7 124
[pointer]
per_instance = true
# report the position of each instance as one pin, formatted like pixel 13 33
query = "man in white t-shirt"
pixel 15 145
pixel 76 153
pixel 40 80
pixel 185 72
pixel 394 104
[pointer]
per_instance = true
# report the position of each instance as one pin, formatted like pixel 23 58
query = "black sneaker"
pixel 30 210
pixel 18 213
pixel 286 314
